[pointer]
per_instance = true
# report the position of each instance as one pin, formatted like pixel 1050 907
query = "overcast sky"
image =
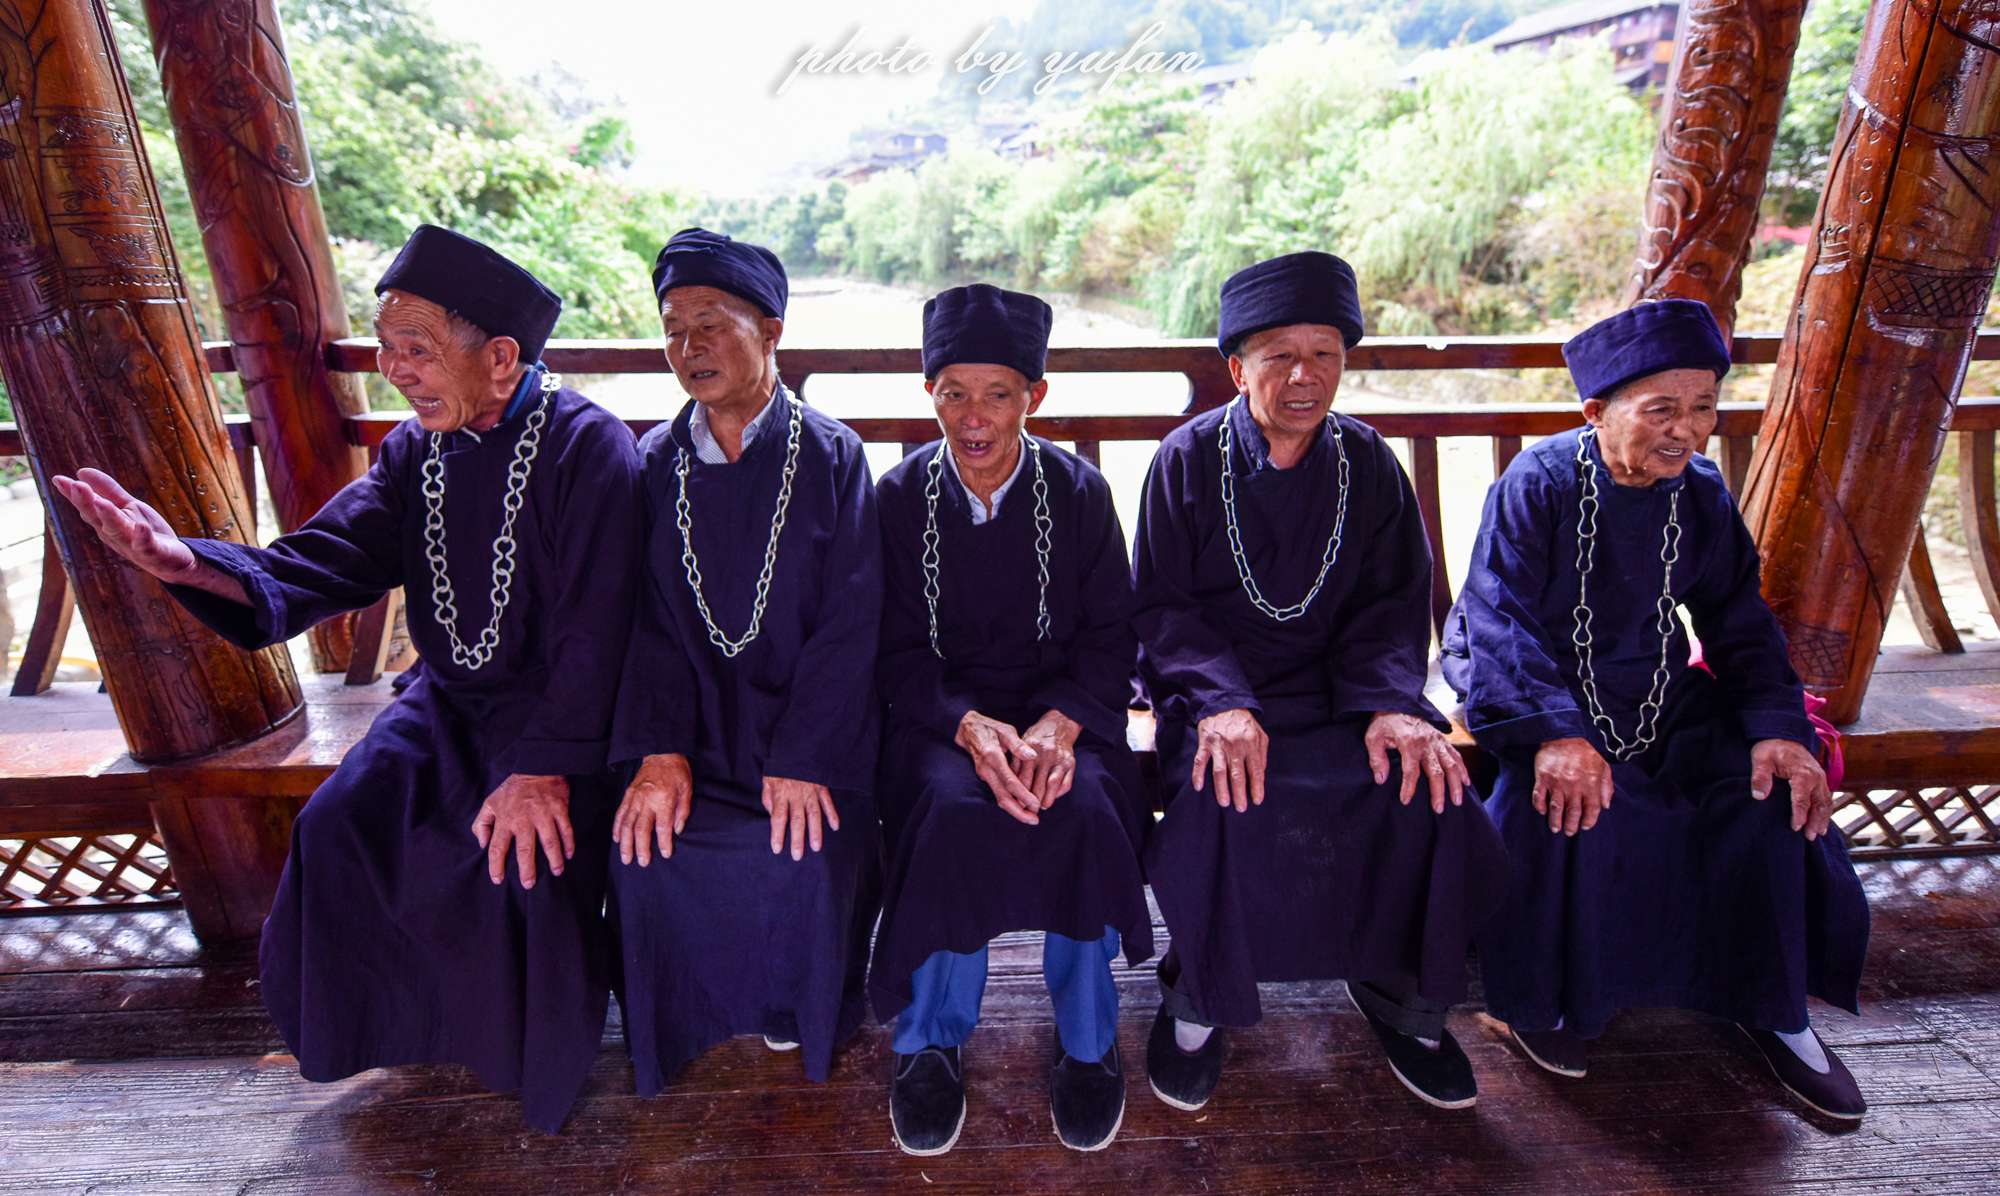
pixel 698 76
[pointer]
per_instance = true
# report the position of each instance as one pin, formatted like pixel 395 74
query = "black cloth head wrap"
pixel 1672 334
pixel 1298 288
pixel 989 326
pixel 477 284
pixel 695 257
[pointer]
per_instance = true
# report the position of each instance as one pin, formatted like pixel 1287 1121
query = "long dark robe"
pixel 1331 877
pixel 387 943
pixel 962 870
pixel 1688 892
pixel 725 937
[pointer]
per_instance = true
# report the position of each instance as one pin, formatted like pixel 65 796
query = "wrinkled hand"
pixel 1236 749
pixel 1052 769
pixel 797 807
pixel 1812 799
pixel 990 742
pixel 1572 784
pixel 138 533
pixel 1424 751
pixel 655 808
pixel 521 812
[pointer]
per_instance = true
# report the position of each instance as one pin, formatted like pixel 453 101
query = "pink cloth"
pixel 1829 737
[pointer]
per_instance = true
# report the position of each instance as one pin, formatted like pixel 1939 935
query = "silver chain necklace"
pixel 1043 539
pixel 443 597
pixel 1236 536
pixel 683 517
pixel 1586 551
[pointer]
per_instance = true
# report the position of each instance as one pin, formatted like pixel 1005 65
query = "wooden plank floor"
pixel 137 1063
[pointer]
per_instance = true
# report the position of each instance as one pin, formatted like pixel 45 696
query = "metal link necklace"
pixel 1586 551
pixel 683 517
pixel 1285 614
pixel 1043 538
pixel 443 597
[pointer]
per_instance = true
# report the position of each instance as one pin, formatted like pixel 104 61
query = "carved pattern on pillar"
pixel 229 89
pixel 1733 62
pixel 1895 281
pixel 104 366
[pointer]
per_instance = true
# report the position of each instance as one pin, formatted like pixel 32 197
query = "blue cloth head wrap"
pixel 985 324
pixel 1298 288
pixel 1672 334
pixel 477 284
pixel 695 257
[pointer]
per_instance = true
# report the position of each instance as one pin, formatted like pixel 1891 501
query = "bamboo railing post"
pixel 1894 284
pixel 229 91
pixel 105 368
pixel 1732 63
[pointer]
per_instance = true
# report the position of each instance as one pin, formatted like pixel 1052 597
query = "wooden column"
pixel 1895 281
pixel 104 366
pixel 229 90
pixel 1732 62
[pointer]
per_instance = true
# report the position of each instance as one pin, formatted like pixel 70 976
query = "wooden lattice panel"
pixel 84 872
pixel 1912 823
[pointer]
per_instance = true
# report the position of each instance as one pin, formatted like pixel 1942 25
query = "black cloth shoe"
pixel 1182 1080
pixel 1558 1050
pixel 1834 1094
pixel 1087 1100
pixel 927 1100
pixel 1442 1076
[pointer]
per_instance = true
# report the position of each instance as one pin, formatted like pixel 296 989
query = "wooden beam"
pixel 1724 95
pixel 229 93
pixel 105 368
pixel 41 655
pixel 1895 281
pixel 1926 603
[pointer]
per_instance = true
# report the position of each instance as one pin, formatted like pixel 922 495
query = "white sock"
pixel 1190 1037
pixel 1806 1045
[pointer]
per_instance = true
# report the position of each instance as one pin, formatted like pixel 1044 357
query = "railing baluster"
pixel 1736 462
pixel 1505 449
pixel 1088 450
pixel 1927 609
pixel 43 651
pixel 1424 476
pixel 1977 514
pixel 244 446
pixel 373 630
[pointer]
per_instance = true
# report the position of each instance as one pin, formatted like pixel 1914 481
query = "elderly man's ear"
pixel 774 331
pixel 1036 393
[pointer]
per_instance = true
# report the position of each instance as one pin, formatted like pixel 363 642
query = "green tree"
pixel 1829 42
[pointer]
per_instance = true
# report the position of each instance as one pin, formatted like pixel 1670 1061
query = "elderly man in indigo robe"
pixel 748 700
pixel 509 511
pixel 1009 798
pixel 1667 822
pixel 1282 578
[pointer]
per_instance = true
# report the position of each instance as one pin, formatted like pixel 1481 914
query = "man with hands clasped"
pixel 1009 797
pixel 1318 826
pixel 1667 821
pixel 508 509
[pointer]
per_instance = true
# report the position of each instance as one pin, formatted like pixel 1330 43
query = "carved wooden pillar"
pixel 104 365
pixel 1732 63
pixel 229 90
pixel 1895 281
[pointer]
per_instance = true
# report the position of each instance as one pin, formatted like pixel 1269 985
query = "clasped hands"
pixel 1235 748
pixel 1573 783
pixel 1027 770
pixel 655 809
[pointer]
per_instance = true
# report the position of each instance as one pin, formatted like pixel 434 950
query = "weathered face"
pixel 1290 375
pixel 981 409
pixel 718 344
pixel 448 383
pixel 1654 426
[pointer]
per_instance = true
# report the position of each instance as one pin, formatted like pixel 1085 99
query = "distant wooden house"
pixel 1642 35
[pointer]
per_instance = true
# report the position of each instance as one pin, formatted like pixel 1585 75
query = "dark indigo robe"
pixel 387 943
pixel 1688 892
pixel 962 870
pixel 1331 877
pixel 725 937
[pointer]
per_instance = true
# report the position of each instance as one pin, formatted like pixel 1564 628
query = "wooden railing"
pixel 1505 426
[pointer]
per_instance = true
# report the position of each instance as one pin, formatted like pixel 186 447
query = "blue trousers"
pixel 944 1005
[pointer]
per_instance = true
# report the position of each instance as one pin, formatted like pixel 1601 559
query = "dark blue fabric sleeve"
pixel 1099 685
pixel 912 677
pixel 1742 643
pixel 1376 657
pixel 1513 689
pixel 827 733
pixel 1191 660
pixel 593 562
pixel 658 711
